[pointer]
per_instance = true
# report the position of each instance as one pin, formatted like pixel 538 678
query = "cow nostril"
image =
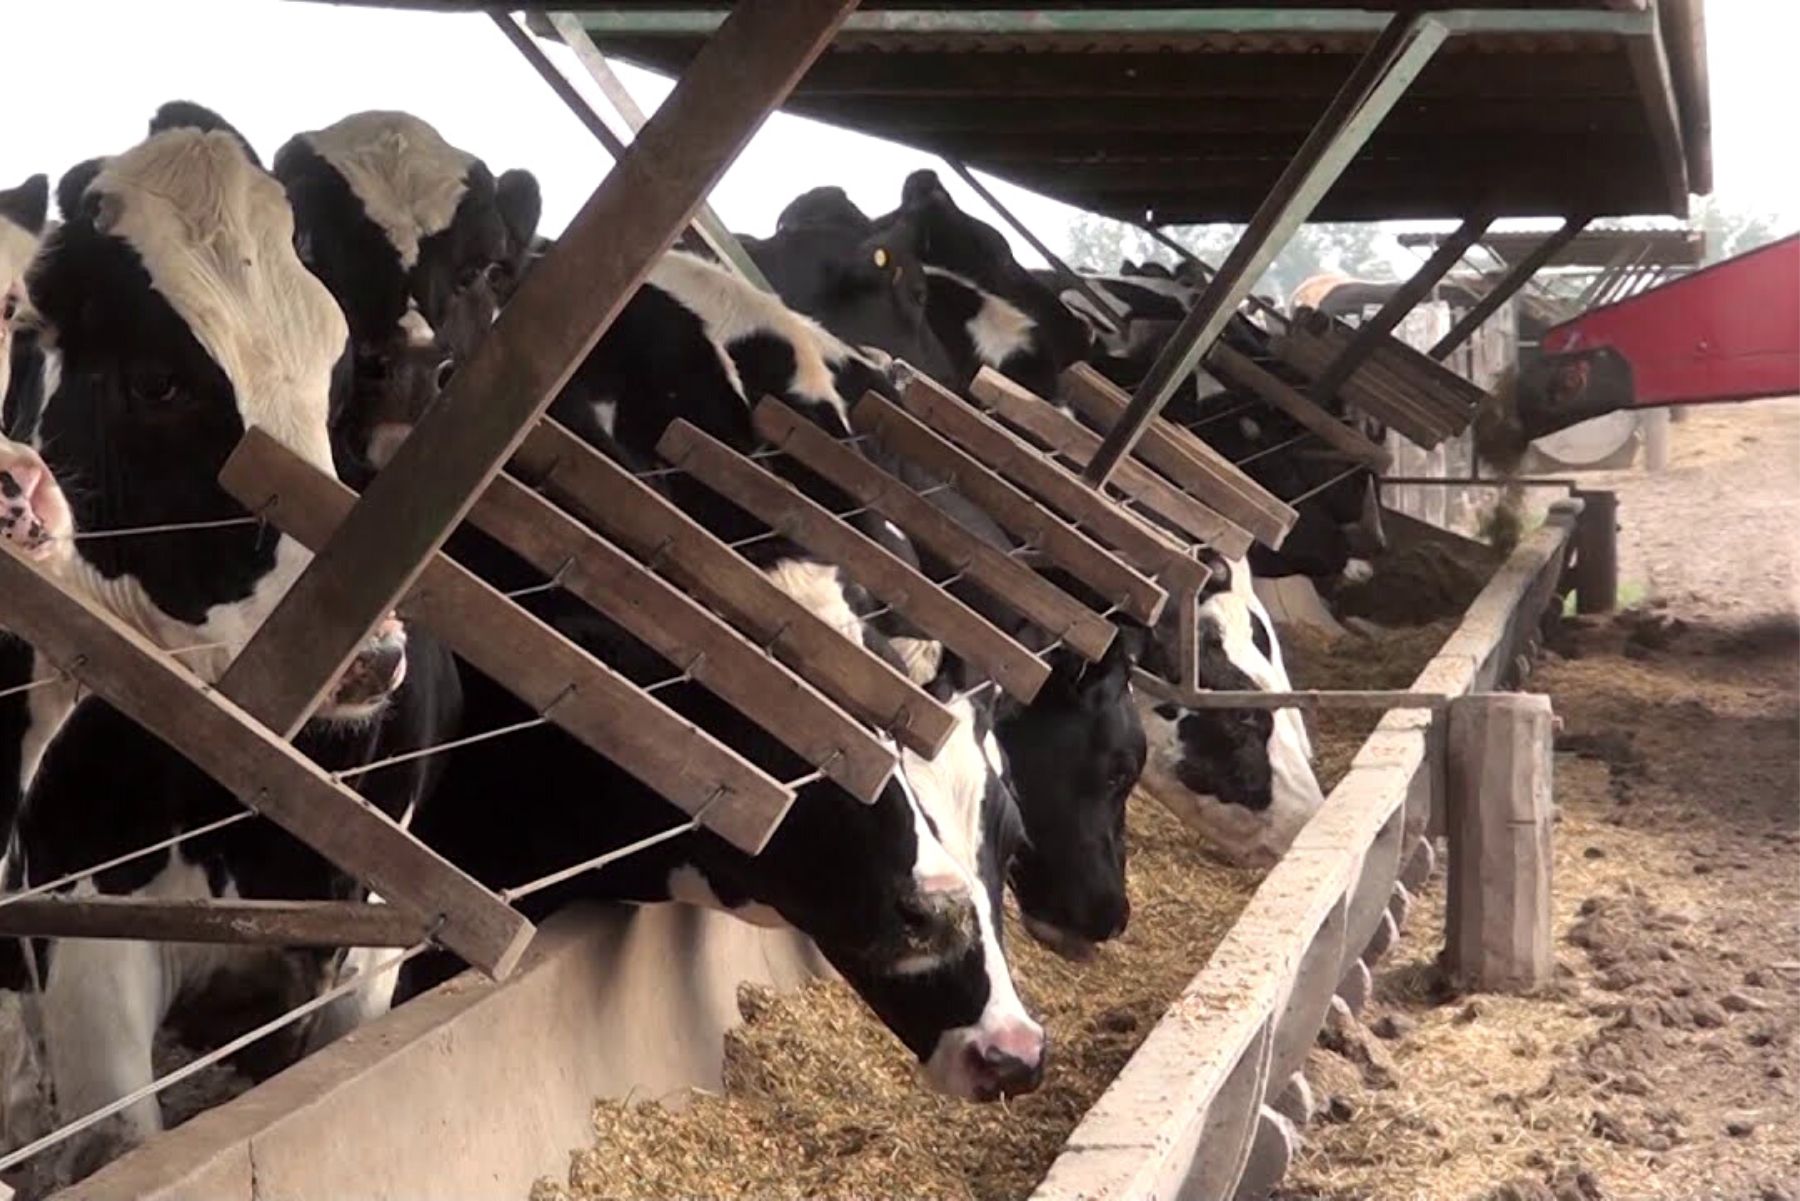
pixel 445 371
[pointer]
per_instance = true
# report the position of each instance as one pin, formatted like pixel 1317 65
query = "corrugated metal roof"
pixel 1189 112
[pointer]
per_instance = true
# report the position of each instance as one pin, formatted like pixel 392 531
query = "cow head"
pixel 827 260
pixel 419 243
pixel 22 213
pixel 926 955
pixel 1076 751
pixel 175 315
pixel 1243 777
pixel 985 308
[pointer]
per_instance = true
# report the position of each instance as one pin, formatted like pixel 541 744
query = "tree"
pixel 1732 231
pixel 1094 243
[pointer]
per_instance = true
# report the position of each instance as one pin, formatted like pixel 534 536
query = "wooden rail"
pixel 1240 370
pixel 612 500
pixel 242 923
pixel 889 579
pixel 1136 595
pixel 1201 1109
pixel 257 766
pixel 1423 399
pixel 587 699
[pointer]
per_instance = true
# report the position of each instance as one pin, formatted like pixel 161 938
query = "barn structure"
pixel 1155 113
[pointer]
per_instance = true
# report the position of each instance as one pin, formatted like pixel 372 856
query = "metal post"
pixel 1405 298
pixel 1597 552
pixel 707 224
pixel 1405 45
pixel 1106 307
pixel 1515 278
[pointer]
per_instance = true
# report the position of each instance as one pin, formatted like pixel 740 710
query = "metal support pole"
pixel 1597 552
pixel 707 224
pixel 1405 45
pixel 1515 278
pixel 1405 298
pixel 1106 307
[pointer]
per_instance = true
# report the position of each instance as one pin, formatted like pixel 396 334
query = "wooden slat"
pixel 1136 595
pixel 241 923
pixel 1369 389
pixel 890 580
pixel 1009 581
pixel 1439 391
pixel 268 775
pixel 578 693
pixel 673 625
pixel 612 500
pixel 1185 459
pixel 1075 442
pixel 1240 370
pixel 563 307
pixel 1141 544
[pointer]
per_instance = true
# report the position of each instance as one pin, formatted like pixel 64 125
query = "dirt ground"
pixel 1662 1061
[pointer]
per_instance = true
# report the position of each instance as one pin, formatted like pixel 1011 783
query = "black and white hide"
pixel 174 315
pixel 22 213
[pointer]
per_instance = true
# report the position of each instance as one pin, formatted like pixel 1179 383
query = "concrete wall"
pixel 474 1090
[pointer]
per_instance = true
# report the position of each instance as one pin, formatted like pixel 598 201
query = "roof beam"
pixel 1515 278
pixel 563 307
pixel 1378 82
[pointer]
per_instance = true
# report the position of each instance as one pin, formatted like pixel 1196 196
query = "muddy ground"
pixel 1662 1062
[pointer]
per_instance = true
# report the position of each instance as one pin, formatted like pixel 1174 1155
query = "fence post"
pixel 1597 553
pixel 1655 424
pixel 1497 928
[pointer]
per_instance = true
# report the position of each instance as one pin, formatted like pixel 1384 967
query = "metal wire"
pixel 1228 413
pixel 76 877
pixel 364 769
pixel 1312 492
pixel 45 682
pixel 172 527
pixel 207 1060
pixel 1269 450
pixel 510 895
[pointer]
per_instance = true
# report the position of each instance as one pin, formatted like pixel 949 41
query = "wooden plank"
pixel 268 775
pixel 779 504
pixel 612 500
pixel 1184 458
pixel 238 922
pixel 1405 44
pixel 1377 329
pixel 1236 368
pixel 562 308
pixel 1142 545
pixel 1008 580
pixel 1516 277
pixel 1136 595
pixel 1371 389
pixel 1497 923
pixel 585 698
pixel 1075 442
pixel 673 625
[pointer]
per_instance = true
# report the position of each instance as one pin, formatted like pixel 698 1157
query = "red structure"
pixel 1727 332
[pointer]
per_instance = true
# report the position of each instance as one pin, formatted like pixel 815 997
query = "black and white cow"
pixel 985 308
pixel 418 241
pixel 22 213
pixel 174 314
pixel 1243 777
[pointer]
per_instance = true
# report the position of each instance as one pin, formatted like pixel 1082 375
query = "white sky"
pixel 83 78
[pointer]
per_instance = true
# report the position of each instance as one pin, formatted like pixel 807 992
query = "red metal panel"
pixel 1728 332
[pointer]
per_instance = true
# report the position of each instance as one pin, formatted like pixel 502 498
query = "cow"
pixel 418 241
pixel 1243 777
pixel 22 213
pixel 174 314
pixel 985 308
pixel 901 895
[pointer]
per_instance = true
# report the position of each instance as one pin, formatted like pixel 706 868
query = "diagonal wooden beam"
pixel 262 770
pixel 1009 581
pixel 888 578
pixel 1405 298
pixel 1401 51
pixel 576 692
pixel 1516 277
pixel 239 923
pixel 612 500
pixel 563 307
pixel 1234 367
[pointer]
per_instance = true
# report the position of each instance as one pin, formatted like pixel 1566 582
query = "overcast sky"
pixel 82 78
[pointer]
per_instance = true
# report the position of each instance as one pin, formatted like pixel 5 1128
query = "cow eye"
pixel 154 388
pixel 10 309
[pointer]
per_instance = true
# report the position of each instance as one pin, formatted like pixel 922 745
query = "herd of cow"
pixel 188 293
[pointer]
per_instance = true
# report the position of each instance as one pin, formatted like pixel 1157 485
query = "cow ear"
pixel 521 205
pixel 185 114
pixel 1106 681
pixel 27 205
pixel 74 184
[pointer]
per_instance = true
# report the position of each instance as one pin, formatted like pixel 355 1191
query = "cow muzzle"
pixel 373 677
pixel 997 1058
pixel 34 514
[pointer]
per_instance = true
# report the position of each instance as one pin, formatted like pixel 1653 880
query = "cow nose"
pixel 1122 919
pixel 379 667
pixel 1009 1062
